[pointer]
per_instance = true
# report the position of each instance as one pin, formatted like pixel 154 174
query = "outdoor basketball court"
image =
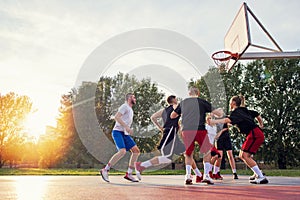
pixel 151 187
pixel 238 42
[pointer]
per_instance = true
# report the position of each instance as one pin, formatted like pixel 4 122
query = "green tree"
pixel 72 149
pixel 104 104
pixel 110 94
pixel 13 111
pixel 149 100
pixel 272 87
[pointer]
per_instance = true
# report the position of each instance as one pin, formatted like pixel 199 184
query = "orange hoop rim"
pixel 229 55
pixel 222 59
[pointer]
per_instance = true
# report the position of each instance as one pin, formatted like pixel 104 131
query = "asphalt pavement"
pixel 150 187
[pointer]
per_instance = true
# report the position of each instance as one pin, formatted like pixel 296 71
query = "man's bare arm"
pixel 260 121
pixel 154 118
pixel 220 121
pixel 118 118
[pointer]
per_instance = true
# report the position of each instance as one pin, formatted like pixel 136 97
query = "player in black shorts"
pixel 170 143
pixel 224 144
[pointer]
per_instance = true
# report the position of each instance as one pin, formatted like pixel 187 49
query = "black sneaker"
pixel 188 180
pixel 235 176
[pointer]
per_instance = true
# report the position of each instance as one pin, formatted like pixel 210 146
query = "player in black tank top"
pixel 170 143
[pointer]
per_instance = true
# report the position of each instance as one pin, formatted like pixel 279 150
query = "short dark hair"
pixel 128 95
pixel 170 98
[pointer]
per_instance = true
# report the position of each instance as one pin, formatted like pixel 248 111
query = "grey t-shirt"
pixel 193 111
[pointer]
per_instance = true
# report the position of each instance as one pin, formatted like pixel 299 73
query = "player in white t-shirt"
pixel 212 133
pixel 121 135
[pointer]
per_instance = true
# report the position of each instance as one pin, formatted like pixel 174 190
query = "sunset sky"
pixel 44 44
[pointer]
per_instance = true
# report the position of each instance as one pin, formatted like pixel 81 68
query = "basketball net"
pixel 222 59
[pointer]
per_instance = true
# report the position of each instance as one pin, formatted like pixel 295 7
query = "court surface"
pixel 151 187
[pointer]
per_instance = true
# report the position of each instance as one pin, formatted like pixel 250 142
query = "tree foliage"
pixel 272 88
pixel 13 111
pixel 110 94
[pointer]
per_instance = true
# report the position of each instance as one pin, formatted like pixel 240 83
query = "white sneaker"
pixel 130 177
pixel 262 180
pixel 254 176
pixel 207 179
pixel 104 174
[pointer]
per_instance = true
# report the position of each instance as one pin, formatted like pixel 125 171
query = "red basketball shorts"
pixel 214 151
pixel 253 141
pixel 200 136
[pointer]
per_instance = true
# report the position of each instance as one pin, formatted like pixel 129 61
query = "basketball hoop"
pixel 222 58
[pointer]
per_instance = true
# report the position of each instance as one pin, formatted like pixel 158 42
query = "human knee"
pixel 135 150
pixel 244 156
pixel 122 152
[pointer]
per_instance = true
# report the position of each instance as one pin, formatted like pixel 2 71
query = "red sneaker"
pixel 218 176
pixel 211 175
pixel 130 177
pixel 199 179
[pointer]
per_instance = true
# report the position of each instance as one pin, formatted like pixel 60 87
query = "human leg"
pixel 247 158
pixel 189 143
pixel 165 147
pixel 135 152
pixel 252 143
pixel 113 160
pixel 215 155
pixel 218 163
pixel 188 168
pixel 199 176
pixel 205 147
pixel 118 138
pixel 232 163
pixel 206 161
pixel 129 144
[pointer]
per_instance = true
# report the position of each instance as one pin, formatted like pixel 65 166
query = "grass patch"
pixel 94 172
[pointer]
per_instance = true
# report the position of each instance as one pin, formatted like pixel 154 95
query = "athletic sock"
pixel 197 172
pixel 107 167
pixel 206 168
pixel 210 167
pixel 129 171
pixel 233 171
pixel 216 170
pixel 188 169
pixel 257 171
pixel 146 164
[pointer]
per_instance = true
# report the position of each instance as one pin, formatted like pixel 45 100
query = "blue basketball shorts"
pixel 122 141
